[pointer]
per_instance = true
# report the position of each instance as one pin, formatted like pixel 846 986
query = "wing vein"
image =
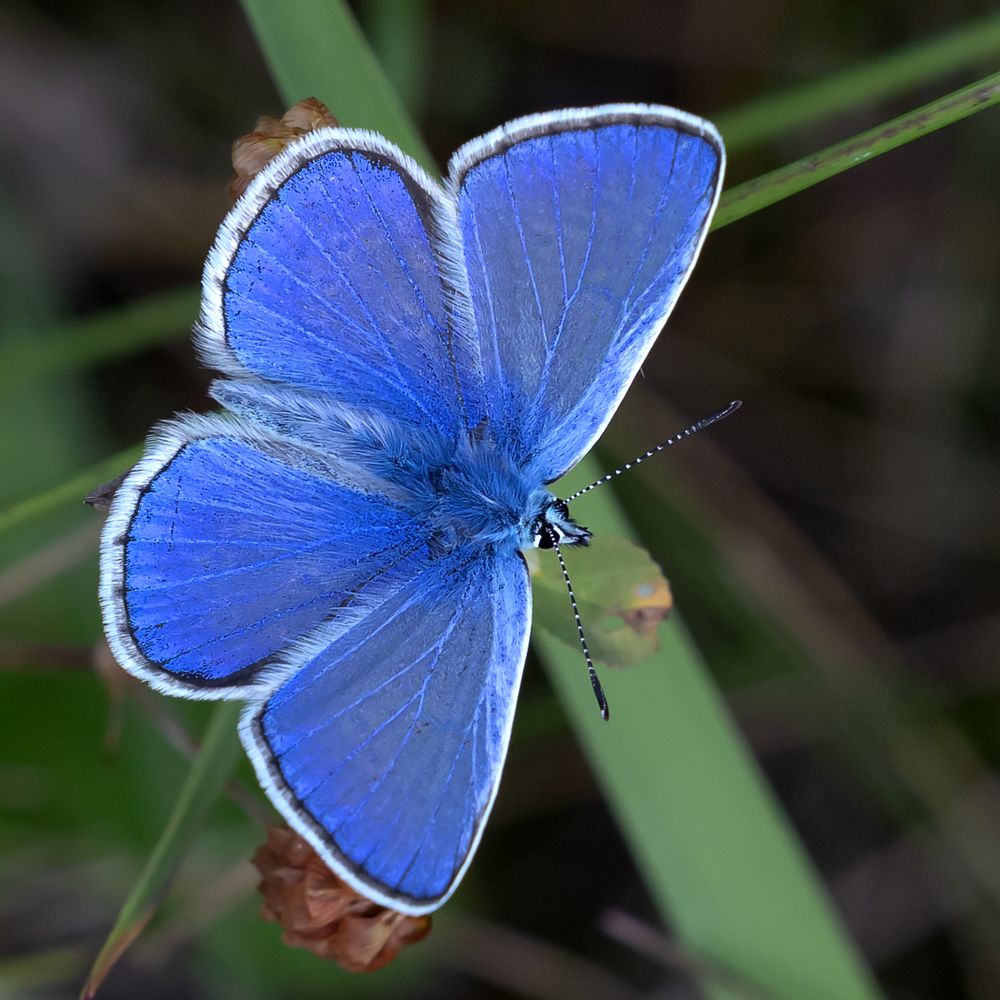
pixel 654 222
pixel 378 337
pixel 519 226
pixel 488 295
pixel 298 550
pixel 557 210
pixel 400 259
pixel 391 766
pixel 339 317
pixel 543 382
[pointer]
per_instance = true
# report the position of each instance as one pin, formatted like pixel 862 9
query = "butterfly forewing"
pixel 577 230
pixel 324 277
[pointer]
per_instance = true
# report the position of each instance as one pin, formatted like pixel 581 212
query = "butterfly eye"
pixel 542 534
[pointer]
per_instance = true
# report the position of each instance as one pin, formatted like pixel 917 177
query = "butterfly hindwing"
pixel 577 231
pixel 224 545
pixel 384 747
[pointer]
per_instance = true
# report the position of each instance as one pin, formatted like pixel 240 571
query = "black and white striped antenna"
pixel 602 701
pixel 662 446
pixel 553 536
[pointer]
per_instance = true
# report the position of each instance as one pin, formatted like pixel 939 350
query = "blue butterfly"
pixel 405 366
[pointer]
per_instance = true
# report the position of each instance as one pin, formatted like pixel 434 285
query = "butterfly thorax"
pixel 465 491
pixel 472 493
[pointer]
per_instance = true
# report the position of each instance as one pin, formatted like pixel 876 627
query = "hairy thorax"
pixel 464 490
pixel 471 493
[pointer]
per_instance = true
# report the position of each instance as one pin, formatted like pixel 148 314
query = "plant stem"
pixel 208 774
pixel 71 491
pixel 885 76
pixel 108 334
pixel 745 199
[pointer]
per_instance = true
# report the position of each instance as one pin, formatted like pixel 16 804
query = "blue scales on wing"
pixel 225 545
pixel 324 277
pixel 386 744
pixel 577 232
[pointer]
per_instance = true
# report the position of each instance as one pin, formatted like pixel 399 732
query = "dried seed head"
pixel 252 152
pixel 320 912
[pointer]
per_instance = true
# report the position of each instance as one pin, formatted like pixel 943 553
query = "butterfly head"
pixel 554 526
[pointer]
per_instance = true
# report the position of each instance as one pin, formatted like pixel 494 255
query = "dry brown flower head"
pixel 320 912
pixel 252 152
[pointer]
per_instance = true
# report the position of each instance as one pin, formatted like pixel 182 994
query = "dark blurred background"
pixel 849 510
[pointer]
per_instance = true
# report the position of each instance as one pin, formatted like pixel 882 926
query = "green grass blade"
pixel 314 48
pixel 72 491
pixel 209 772
pixel 330 58
pixel 40 974
pixel 111 334
pixel 878 711
pixel 874 80
pixel 747 900
pixel 717 854
pixel 400 36
pixel 744 199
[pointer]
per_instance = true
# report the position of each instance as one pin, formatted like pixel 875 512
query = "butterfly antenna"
pixel 595 682
pixel 662 446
